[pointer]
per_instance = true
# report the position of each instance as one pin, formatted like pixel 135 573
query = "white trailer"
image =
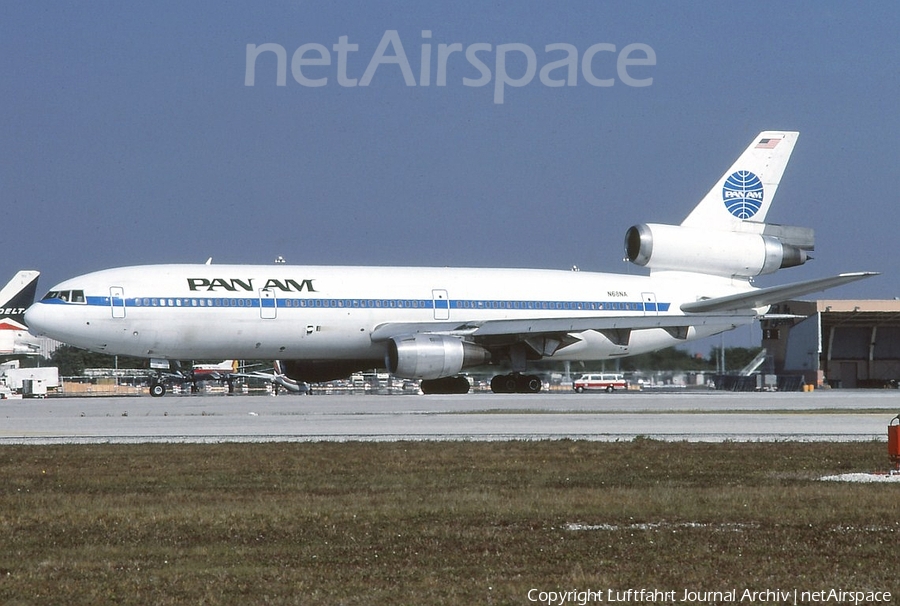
pixel 16 377
pixel 34 388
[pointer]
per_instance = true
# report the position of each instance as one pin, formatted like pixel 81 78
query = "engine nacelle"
pixel 720 253
pixel 424 356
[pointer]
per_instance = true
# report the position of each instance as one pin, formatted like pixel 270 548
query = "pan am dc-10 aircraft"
pixel 324 323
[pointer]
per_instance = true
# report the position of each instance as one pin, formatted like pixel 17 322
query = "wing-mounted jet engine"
pixel 436 359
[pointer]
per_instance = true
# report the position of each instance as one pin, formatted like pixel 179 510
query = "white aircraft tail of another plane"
pixel 225 366
pixel 15 298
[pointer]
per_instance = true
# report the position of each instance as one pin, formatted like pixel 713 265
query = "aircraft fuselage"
pixel 317 312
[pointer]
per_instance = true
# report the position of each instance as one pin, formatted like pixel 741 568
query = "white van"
pixel 607 381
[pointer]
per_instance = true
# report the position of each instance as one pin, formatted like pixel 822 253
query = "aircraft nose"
pixel 36 319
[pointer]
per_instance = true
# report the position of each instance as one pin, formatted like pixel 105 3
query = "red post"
pixel 894 441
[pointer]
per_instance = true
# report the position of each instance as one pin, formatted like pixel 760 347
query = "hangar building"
pixel 838 343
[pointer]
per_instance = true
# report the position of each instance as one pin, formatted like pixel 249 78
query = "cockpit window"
pixel 69 296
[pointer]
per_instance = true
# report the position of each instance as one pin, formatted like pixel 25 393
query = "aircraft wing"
pixel 566 325
pixel 726 312
pixel 774 294
pixel 517 330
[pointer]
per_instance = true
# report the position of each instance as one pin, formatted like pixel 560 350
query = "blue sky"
pixel 129 136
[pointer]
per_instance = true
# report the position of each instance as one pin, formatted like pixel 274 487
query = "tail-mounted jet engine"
pixel 424 356
pixel 757 249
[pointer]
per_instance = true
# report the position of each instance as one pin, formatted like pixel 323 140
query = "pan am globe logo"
pixel 743 194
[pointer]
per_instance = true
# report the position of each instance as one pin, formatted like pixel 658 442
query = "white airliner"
pixel 430 323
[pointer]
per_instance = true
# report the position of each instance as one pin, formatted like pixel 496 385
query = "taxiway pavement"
pixel 831 415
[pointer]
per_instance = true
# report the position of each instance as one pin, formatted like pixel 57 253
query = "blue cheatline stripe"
pixel 318 303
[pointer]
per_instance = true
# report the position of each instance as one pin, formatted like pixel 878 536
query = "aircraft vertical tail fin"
pixel 745 192
pixel 15 298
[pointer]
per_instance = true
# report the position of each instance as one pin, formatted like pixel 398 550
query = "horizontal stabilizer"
pixel 772 295
pixel 803 238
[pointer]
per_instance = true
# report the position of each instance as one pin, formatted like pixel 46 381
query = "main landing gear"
pixel 511 383
pixel 516 383
pixel 445 385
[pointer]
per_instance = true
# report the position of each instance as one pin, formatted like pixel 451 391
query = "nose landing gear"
pixel 157 390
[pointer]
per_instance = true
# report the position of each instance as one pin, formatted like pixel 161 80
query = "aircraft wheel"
pixel 516 383
pixel 532 384
pixel 157 390
pixel 501 384
pixel 462 385
pixel 527 384
pixel 445 385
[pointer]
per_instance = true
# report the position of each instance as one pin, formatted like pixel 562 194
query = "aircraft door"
pixel 268 305
pixel 650 307
pixel 441 304
pixel 117 301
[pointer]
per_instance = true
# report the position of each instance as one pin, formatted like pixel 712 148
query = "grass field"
pixel 438 522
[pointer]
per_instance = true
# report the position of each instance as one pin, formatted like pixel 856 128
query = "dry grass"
pixel 435 523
